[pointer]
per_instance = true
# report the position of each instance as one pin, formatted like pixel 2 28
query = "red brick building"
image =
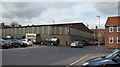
pixel 96 34
pixel 112 30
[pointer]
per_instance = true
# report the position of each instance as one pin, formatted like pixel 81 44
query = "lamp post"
pixel 99 35
pixel 54 22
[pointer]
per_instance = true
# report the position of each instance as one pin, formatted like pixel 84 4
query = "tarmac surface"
pixel 51 55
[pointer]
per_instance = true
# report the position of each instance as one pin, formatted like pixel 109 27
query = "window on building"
pixel 111 40
pixel 111 29
pixel 118 40
pixel 118 29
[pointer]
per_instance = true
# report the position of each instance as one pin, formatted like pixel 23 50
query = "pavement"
pixel 51 55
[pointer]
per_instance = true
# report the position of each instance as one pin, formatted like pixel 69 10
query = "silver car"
pixel 27 41
pixel 76 44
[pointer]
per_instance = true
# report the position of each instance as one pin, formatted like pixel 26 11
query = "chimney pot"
pixel 96 27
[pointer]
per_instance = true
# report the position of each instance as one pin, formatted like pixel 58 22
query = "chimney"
pixel 33 25
pixel 2 25
pixel 13 25
pixel 96 27
pixel 19 25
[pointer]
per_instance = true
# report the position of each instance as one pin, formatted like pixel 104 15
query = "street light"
pixel 99 35
pixel 54 22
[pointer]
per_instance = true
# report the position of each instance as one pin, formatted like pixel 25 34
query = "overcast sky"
pixel 28 13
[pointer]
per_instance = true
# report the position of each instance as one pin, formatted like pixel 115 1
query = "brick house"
pixel 112 30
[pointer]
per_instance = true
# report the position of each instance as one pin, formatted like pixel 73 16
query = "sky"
pixel 29 12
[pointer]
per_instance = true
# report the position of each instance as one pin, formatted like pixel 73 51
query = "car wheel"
pixel 51 44
pixel 19 45
pixel 81 46
pixel 71 46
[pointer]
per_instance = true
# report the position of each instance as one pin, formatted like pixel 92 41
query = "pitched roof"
pixel 113 21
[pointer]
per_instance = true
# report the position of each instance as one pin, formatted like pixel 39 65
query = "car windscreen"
pixel 111 55
pixel 29 39
pixel 23 40
pixel 47 39
pixel 1 40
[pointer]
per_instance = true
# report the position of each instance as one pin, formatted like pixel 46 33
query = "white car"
pixel 27 41
pixel 76 44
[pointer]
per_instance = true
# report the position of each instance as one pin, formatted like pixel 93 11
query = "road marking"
pixel 77 61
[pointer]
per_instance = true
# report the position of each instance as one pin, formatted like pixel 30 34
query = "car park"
pixel 27 41
pixel 76 44
pixel 4 44
pixel 111 60
pixel 50 41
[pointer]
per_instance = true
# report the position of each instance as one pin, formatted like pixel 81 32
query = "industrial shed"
pixel 67 33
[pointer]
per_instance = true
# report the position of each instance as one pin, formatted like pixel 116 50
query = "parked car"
pixel 102 43
pixel 85 43
pixel 76 44
pixel 22 44
pixel 111 60
pixel 27 41
pixel 4 44
pixel 95 42
pixel 51 41
pixel 13 43
pixel 91 43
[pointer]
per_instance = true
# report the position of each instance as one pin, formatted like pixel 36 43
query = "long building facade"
pixel 67 33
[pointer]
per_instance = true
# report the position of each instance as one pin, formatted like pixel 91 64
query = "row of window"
pixel 111 29
pixel 111 40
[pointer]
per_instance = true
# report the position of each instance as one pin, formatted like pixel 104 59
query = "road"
pixel 51 55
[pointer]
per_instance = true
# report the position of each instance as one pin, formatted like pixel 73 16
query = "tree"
pixel 15 24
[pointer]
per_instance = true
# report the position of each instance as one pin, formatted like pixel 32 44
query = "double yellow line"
pixel 77 61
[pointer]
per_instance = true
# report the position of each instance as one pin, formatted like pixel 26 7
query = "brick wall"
pixel 113 34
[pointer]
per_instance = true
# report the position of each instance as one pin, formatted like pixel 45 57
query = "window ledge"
pixel 110 43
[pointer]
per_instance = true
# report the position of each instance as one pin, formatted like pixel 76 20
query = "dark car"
pixel 52 41
pixel 4 44
pixel 85 43
pixel 112 59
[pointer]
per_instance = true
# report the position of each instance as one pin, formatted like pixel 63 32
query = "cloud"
pixel 107 8
pixel 60 0
pixel 11 10
pixel 28 13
